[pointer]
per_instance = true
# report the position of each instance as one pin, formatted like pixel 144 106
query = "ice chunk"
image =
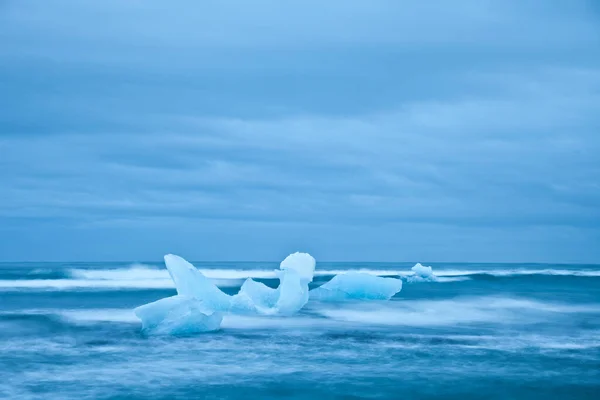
pixel 357 285
pixel 260 294
pixel 293 291
pixel 255 297
pixel 296 271
pixel 178 315
pixel 301 263
pixel 197 308
pixel 421 273
pixel 190 282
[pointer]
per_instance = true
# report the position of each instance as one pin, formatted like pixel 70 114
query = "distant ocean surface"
pixel 482 331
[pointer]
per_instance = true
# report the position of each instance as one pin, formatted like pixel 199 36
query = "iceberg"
pixel 357 286
pixel 421 273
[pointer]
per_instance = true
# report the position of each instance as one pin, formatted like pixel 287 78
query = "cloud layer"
pixel 356 130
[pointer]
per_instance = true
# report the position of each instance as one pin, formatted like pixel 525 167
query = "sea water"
pixel 488 331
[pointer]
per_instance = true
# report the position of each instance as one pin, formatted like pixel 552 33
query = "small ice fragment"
pixel 421 273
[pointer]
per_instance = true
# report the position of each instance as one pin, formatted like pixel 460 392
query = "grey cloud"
pixel 363 129
pixel 423 162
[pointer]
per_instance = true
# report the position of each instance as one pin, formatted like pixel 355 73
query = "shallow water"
pixel 491 331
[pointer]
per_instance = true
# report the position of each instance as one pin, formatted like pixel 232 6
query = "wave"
pixel 461 311
pixel 140 271
pixel 147 277
pixel 141 276
pixel 37 273
pixel 137 271
pixel 519 272
pixel 133 272
pixel 99 315
pixel 100 284
pixel 413 313
pixel 457 311
pixel 67 284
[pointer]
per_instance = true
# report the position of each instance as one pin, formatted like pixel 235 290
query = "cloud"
pixel 506 159
pixel 268 23
pixel 391 126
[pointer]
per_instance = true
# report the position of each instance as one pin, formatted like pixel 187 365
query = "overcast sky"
pixel 355 130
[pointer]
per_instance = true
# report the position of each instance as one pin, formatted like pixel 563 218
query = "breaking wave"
pixel 461 311
pixel 143 276
pixel 141 271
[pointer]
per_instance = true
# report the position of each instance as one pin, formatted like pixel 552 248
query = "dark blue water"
pixel 501 331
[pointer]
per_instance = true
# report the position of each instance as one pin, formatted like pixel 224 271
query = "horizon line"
pixel 131 262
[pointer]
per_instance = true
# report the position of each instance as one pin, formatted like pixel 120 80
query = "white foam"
pixel 99 315
pixel 68 284
pixel 468 272
pixel 452 279
pixel 466 310
pixel 273 322
pixel 140 276
pixel 517 271
pixel 83 315
pixel 137 272
pixel 506 342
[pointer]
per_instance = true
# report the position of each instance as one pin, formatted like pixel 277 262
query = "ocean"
pixel 481 331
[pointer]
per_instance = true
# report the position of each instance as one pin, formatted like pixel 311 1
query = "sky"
pixel 354 130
